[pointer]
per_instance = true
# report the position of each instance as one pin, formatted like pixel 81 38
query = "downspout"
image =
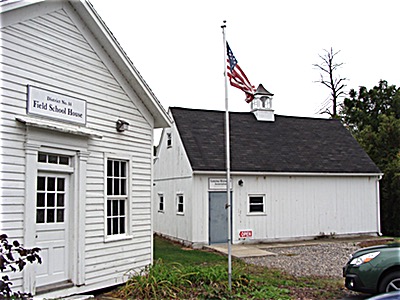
pixel 378 208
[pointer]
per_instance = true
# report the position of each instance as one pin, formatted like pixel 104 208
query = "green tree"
pixel 373 117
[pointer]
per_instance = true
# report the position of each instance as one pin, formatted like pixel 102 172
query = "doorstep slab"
pixel 241 251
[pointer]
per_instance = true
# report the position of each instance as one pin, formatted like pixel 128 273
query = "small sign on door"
pixel 218 184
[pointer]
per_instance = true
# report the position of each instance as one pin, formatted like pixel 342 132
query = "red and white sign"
pixel 248 233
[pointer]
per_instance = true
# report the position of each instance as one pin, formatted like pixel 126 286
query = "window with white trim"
pixel 117 196
pixel 256 204
pixel 180 204
pixel 53 159
pixel 160 202
pixel 169 140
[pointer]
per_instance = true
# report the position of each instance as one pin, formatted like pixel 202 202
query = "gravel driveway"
pixel 323 259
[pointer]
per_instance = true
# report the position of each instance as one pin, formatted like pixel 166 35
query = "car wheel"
pixel 390 282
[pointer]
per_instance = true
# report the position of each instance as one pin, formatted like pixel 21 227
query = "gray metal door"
pixel 218 218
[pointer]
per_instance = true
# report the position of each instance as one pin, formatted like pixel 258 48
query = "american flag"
pixel 237 78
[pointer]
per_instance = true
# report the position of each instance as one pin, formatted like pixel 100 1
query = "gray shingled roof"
pixel 290 144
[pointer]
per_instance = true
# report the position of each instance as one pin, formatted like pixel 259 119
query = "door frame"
pixel 209 215
pixel 55 143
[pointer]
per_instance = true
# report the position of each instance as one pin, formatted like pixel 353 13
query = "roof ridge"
pixel 249 112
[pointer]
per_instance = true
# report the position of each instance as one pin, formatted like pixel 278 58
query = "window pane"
pixel 257 208
pixel 123 169
pixel 108 207
pixel 42 157
pixel 60 200
pixel 116 168
pixel 50 215
pixel 40 199
pixel 116 187
pixel 51 184
pixel 122 207
pixel 123 186
pixel 109 167
pixel 109 226
pixel 256 200
pixel 60 215
pixel 50 199
pixel 109 186
pixel 41 183
pixel 115 225
pixel 122 225
pixel 180 207
pixel 161 207
pixel 40 216
pixel 60 184
pixel 115 208
pixel 64 160
pixel 53 159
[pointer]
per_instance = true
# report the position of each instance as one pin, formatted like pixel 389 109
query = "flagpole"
pixel 228 162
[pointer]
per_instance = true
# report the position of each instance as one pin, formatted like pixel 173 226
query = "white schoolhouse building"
pixel 291 178
pixel 77 124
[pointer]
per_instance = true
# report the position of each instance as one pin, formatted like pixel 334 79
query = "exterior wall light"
pixel 240 182
pixel 122 125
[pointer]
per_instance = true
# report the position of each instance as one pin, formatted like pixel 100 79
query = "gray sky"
pixel 177 46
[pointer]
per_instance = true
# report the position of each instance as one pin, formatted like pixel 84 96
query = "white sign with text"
pixel 218 184
pixel 56 106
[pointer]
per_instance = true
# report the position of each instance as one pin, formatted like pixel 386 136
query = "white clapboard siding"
pixel 296 205
pixel 51 52
pixel 172 164
pixel 305 206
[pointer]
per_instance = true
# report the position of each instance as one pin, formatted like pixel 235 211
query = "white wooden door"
pixel 52 199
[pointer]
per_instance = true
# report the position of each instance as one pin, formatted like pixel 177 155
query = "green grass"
pixel 170 252
pixel 396 239
pixel 180 273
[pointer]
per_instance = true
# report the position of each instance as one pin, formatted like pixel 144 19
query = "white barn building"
pixel 77 124
pixel 291 178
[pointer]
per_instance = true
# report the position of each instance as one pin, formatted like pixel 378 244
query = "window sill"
pixel 180 214
pixel 256 214
pixel 117 237
pixel 161 211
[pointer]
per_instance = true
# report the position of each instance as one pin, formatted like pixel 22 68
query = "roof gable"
pixel 290 144
pixel 18 11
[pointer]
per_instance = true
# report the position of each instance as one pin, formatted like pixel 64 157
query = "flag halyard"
pixel 237 78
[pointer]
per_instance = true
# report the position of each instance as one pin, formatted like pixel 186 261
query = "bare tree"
pixel 335 83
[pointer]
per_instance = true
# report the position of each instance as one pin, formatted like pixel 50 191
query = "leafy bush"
pixel 13 257
pixel 177 281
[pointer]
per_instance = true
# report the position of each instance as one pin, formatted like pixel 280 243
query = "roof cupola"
pixel 261 106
